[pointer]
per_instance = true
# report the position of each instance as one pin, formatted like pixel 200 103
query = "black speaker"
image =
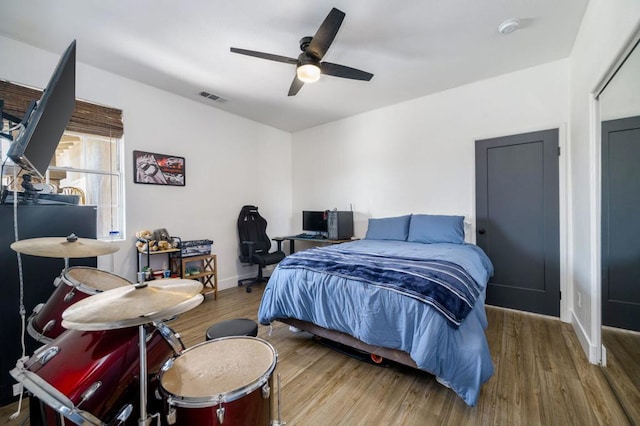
pixel 339 225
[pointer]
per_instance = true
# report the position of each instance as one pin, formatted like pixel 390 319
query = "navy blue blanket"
pixel 445 286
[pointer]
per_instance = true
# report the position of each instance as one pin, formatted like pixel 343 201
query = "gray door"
pixel 621 223
pixel 517 210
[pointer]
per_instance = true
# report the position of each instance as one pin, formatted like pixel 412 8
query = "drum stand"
pixel 144 419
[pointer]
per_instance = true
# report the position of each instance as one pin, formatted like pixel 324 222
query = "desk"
pixel 293 238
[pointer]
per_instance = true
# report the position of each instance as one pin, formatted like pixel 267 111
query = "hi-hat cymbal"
pixel 133 305
pixel 64 247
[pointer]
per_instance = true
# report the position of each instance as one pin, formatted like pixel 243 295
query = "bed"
pixel 411 291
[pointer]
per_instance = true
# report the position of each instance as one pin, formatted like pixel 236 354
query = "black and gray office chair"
pixel 255 244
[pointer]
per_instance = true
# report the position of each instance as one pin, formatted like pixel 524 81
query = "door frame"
pixel 564 205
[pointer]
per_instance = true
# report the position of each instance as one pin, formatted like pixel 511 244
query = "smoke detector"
pixel 509 26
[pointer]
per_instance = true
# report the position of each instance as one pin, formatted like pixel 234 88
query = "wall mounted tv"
pixel 36 144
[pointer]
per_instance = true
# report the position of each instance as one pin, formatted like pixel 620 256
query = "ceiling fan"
pixel 308 65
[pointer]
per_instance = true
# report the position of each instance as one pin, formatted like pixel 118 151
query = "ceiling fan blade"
pixel 325 34
pixel 337 70
pixel 268 56
pixel 296 85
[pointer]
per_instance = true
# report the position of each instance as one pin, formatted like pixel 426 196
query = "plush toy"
pixel 164 245
pixel 144 234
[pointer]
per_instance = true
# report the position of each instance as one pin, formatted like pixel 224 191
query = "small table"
pixel 293 238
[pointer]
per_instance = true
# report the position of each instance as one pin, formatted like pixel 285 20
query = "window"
pixel 89 166
pixel 88 160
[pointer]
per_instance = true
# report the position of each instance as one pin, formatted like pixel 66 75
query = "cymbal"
pixel 132 305
pixel 64 247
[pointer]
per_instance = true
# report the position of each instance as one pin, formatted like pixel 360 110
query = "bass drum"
pixel 92 377
pixel 225 381
pixel 73 285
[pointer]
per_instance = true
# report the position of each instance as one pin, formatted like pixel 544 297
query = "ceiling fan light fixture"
pixel 308 73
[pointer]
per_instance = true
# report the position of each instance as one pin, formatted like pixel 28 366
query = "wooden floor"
pixel 541 376
pixel 623 367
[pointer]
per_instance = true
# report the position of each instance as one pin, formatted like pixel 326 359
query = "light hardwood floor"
pixel 623 367
pixel 541 376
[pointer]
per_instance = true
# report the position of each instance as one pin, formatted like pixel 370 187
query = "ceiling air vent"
pixel 213 97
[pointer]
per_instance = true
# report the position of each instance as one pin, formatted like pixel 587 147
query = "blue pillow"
pixel 425 228
pixel 388 228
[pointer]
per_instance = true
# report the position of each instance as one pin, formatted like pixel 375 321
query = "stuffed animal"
pixel 164 245
pixel 144 234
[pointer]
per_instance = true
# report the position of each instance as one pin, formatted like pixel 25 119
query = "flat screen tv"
pixel 36 144
pixel 314 221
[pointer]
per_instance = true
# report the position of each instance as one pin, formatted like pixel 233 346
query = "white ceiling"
pixel 413 47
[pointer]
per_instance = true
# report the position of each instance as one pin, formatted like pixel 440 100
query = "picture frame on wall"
pixel 158 169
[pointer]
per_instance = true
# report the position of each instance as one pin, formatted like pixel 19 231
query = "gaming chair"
pixel 255 244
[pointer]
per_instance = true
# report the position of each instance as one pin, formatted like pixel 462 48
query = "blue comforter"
pixel 377 315
pixel 444 285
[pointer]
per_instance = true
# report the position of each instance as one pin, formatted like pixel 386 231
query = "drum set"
pixel 108 353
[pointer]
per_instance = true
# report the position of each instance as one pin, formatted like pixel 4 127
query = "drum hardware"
pixel 48 326
pixel 47 355
pixel 266 391
pixel 174 339
pixel 124 413
pixel 278 422
pixel 70 295
pixel 171 415
pixel 220 411
pixel 144 419
pixel 89 392
pixel 36 310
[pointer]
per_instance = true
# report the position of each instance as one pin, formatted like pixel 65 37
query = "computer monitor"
pixel 314 221
pixel 35 146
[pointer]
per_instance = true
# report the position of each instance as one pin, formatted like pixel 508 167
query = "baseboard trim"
pixel 589 349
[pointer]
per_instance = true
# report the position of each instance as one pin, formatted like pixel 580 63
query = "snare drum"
pixel 224 381
pixel 92 377
pixel 79 282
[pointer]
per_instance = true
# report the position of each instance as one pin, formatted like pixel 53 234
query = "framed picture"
pixel 158 169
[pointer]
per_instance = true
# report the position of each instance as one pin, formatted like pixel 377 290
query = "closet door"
pixel 621 223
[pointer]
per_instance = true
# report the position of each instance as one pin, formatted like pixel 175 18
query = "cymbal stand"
pixel 144 419
pixel 142 343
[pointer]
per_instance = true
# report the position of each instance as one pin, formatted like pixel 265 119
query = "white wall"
pixel 605 27
pixel 418 156
pixel 222 151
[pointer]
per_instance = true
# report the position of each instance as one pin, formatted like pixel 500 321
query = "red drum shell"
pixel 79 282
pixel 231 372
pixel 110 357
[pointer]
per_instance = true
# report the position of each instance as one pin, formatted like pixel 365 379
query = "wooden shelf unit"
pixel 208 275
pixel 173 256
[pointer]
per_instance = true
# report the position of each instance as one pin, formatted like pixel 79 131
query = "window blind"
pixel 86 118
